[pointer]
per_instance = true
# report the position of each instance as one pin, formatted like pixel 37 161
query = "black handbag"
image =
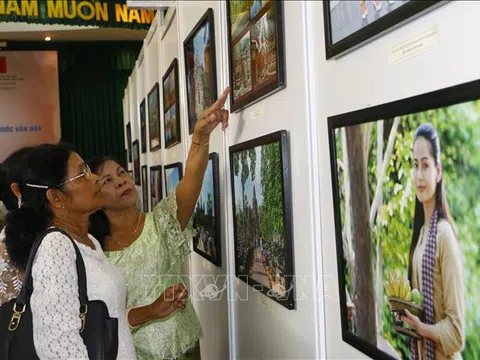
pixel 99 331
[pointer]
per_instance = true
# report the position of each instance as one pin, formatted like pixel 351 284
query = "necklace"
pixel 80 239
pixel 140 215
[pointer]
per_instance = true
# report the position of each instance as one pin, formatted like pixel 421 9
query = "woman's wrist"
pixel 200 138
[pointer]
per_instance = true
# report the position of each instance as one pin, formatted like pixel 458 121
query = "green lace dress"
pixel 151 264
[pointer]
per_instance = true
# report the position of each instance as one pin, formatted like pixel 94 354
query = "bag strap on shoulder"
pixel 27 287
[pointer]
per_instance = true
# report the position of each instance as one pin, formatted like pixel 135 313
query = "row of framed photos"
pixel 257 57
pixel 257 63
pixel 261 193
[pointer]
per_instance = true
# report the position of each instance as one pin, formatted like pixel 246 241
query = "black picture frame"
pixel 145 188
pixel 193 71
pixel 178 166
pixel 171 106
pixel 136 162
pixel 129 141
pixel 156 188
pixel 210 249
pixel 276 147
pixel 404 11
pixel 266 87
pixel 154 133
pixel 438 99
pixel 143 126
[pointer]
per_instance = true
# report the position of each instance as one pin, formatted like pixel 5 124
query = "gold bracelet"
pixel 128 321
pixel 197 143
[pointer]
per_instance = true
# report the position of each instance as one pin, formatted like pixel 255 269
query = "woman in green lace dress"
pixel 151 248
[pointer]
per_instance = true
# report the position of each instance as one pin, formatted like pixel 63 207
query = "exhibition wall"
pixel 431 51
pixel 368 77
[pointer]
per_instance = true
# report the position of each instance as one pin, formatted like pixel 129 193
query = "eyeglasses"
pixel 86 172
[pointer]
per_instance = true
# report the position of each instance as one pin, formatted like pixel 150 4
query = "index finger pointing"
pixel 221 100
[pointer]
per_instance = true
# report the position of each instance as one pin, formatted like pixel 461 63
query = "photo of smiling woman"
pixel 435 260
pixel 408 263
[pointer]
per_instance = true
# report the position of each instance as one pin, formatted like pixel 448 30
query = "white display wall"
pixel 259 328
pixel 364 78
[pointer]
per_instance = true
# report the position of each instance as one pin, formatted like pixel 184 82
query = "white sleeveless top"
pixel 55 304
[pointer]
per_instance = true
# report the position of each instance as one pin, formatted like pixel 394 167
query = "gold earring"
pixel 63 205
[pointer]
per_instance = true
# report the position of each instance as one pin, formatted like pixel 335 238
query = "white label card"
pixel 414 45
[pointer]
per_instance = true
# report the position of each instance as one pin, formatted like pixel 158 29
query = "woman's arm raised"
pixel 190 186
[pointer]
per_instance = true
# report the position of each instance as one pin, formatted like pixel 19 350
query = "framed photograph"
pixel 351 24
pixel 171 105
pixel 145 188
pixel 206 217
pixel 262 216
pixel 200 68
pixel 154 118
pixel 143 126
pixel 256 50
pixel 136 162
pixel 392 164
pixel 173 175
pixel 156 193
pixel 129 141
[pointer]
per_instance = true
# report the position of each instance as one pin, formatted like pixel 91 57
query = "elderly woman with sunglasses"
pixel 58 190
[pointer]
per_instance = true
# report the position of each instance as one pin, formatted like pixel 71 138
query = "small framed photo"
pixel 262 216
pixel 206 217
pixel 171 105
pixel 351 24
pixel 200 68
pixel 173 175
pixel 145 188
pixel 156 191
pixel 136 162
pixel 256 50
pixel 154 118
pixel 129 141
pixel 143 126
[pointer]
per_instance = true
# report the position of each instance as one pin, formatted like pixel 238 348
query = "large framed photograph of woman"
pixel 154 118
pixel 262 216
pixel 200 68
pixel 350 24
pixel 171 105
pixel 206 217
pixel 256 50
pixel 404 178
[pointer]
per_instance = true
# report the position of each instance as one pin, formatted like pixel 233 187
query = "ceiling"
pixel 38 32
